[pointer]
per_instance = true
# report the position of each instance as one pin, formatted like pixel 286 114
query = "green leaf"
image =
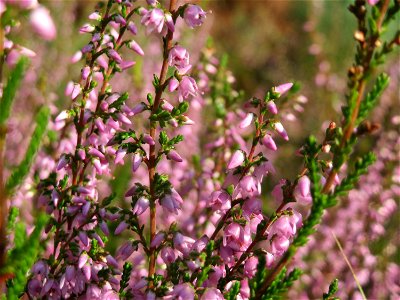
pixel 233 291
pixel 372 98
pixel 10 90
pixel 333 288
pixel 281 284
pixel 18 174
pixel 22 257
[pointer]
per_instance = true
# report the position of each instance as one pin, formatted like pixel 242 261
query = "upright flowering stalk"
pixel 78 264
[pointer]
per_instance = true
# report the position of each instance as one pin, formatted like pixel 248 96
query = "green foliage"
pixel 18 174
pixel 372 98
pixel 10 90
pixel 233 291
pixel 23 255
pixel 333 288
pixel 167 143
pixel 259 278
pixel 281 284
pixel 352 178
pixel 126 275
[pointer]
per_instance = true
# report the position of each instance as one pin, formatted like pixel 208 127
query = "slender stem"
pixel 152 153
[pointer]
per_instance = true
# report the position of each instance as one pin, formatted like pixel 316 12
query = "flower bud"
pixel 173 155
pixel 236 160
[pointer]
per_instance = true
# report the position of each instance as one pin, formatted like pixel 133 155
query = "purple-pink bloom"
pixel 148 140
pixel 141 205
pixel 154 20
pixel 173 155
pixel 87 28
pixel 173 84
pixel 271 106
pixel 279 245
pixel 194 16
pixel 183 291
pixel 187 87
pixel 158 239
pixel 246 121
pixel 135 47
pixel 281 130
pixel 269 142
pixel 178 57
pixel 283 88
pixel 302 191
pixel 250 266
pixel 172 201
pixel 121 227
pixel 212 293
pixel 236 160
pixel 136 161
pixel 115 56
pixel 42 23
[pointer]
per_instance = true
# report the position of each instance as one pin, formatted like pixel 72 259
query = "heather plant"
pixel 159 194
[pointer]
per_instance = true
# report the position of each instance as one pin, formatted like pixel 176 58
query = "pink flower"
pixel 121 227
pixel 179 57
pixel 194 15
pixel 135 47
pixel 82 260
pixel 271 106
pixel 250 266
pixel 148 140
pixel 182 291
pixel 115 56
pixel 125 251
pixel 246 121
pixel 269 142
pixel 85 72
pixel 158 239
pixel 236 160
pixel 220 200
pixel 279 245
pixel 212 293
pixel 42 23
pixel 173 84
pixel 170 22
pixel 302 191
pixel 172 202
pixel 141 206
pixel 235 237
pixel 87 28
pixel 281 130
pixel 132 28
pixel 283 88
pixel 138 108
pixel 168 255
pixel 136 161
pixel 250 186
pixel 187 87
pixel 95 16
pixel 372 2
pixel 154 20
pixel 120 20
pixel 183 243
pixel 173 155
